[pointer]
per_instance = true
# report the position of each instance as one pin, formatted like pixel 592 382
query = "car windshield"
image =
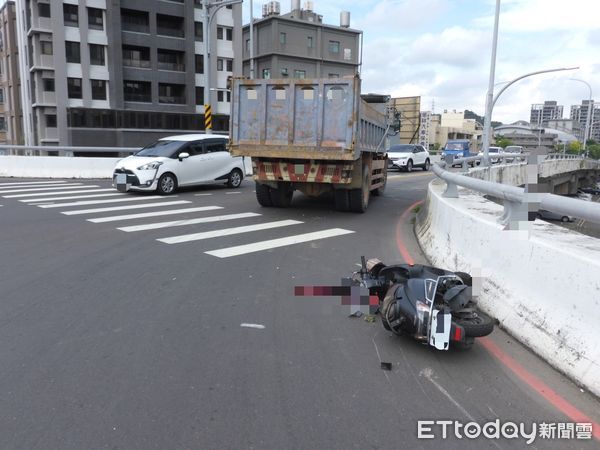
pixel 513 149
pixel 455 146
pixel 401 148
pixel 494 150
pixel 161 148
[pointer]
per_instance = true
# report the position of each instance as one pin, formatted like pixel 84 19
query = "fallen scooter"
pixel 432 305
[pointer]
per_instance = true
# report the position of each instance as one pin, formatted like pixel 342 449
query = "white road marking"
pixel 177 223
pixel 228 231
pixel 427 372
pixel 72 197
pixel 53 188
pixel 121 208
pixel 252 325
pixel 153 214
pixel 38 194
pixel 200 195
pixel 27 183
pixel 233 192
pixel 100 202
pixel 275 243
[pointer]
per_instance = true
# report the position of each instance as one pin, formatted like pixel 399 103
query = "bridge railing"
pixel 516 200
pixel 37 150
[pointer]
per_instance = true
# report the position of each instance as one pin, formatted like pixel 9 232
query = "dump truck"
pixel 317 136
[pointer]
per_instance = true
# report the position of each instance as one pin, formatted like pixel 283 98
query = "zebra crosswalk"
pixel 139 213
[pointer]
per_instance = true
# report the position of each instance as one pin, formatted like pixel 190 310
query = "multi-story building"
pixel 122 72
pixel 300 45
pixel 579 113
pixel 11 113
pixel 543 112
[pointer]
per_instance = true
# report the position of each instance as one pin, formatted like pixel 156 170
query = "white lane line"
pixel 227 231
pixel 72 197
pixel 53 188
pixel 121 208
pixel 153 214
pixel 233 192
pixel 28 183
pixel 178 223
pixel 275 243
pixel 200 195
pixel 252 325
pixel 100 202
pixel 38 194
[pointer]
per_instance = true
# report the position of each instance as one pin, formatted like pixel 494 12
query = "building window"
pixel 299 73
pixel 74 87
pixel 228 95
pixel 310 42
pixel 171 93
pixel 137 91
pixel 198 31
pixel 1 96
pixel 71 15
pixel 98 89
pixel 199 64
pixel 73 52
pixel 220 33
pixel 284 72
pixel 95 19
pixel 44 9
pixel 229 34
pixel 97 55
pixel 136 21
pixel 50 120
pixel 219 96
pixel 282 38
pixel 171 60
pixel 46 47
pixel 334 46
pixel 334 75
pixel 266 73
pixel 2 123
pixel 172 26
pixel 247 45
pixel 225 33
pixel 199 95
pixel 224 64
pixel 220 65
pixel 48 84
pixel 136 56
pixel 198 4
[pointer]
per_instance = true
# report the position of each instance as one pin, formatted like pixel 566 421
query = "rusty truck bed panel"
pixel 303 118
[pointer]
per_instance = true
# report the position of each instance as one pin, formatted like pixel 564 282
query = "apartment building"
pixel 579 113
pixel 541 113
pixel 299 45
pixel 11 112
pixel 123 72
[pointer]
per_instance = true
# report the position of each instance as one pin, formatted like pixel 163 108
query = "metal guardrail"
pixel 67 150
pixel 516 200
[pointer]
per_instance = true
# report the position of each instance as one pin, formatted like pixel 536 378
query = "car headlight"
pixel 150 166
pixel 459 155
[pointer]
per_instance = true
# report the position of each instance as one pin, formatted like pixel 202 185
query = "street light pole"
pixel 210 9
pixel 490 94
pixel 251 41
pixel 586 131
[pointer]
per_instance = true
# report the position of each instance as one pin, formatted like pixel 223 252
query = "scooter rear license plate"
pixel 440 330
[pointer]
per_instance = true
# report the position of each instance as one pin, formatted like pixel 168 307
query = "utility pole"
pixel 251 41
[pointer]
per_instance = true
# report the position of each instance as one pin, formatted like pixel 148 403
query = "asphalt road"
pixel 113 339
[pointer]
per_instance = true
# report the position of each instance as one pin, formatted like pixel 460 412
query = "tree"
pixel 503 142
pixel 574 147
pixel 593 150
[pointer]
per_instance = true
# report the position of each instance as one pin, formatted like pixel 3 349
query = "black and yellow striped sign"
pixel 207 117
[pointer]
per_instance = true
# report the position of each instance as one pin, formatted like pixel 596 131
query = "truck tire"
pixel 359 198
pixel 282 196
pixel 342 200
pixel 263 195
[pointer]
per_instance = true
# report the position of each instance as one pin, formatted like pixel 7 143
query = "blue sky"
pixel 440 49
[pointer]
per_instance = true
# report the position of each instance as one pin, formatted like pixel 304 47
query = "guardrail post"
pixel 451 190
pixel 514 213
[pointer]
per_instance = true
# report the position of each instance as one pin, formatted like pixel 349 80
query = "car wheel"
pixel 539 216
pixel 409 165
pixel 564 219
pixel 426 166
pixel 235 178
pixel 167 184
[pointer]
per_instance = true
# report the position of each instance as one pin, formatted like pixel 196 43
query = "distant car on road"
pixel 549 215
pixel 407 156
pixel 176 161
pixel 589 190
pixel 514 149
pixel 492 151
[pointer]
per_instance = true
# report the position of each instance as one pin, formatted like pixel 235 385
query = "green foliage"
pixel 436 146
pixel 593 150
pixel 574 147
pixel 502 141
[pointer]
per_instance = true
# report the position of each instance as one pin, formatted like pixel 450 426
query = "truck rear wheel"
pixel 342 201
pixel 263 195
pixel 359 198
pixel 282 196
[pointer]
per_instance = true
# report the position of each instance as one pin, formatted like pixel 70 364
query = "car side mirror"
pixel 183 155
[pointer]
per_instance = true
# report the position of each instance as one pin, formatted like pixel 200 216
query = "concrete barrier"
pixel 64 167
pixel 542 284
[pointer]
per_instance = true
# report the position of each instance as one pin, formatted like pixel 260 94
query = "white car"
pixel 408 156
pixel 174 161
pixel 492 151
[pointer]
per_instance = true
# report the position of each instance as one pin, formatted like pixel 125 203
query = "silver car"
pixel 549 215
